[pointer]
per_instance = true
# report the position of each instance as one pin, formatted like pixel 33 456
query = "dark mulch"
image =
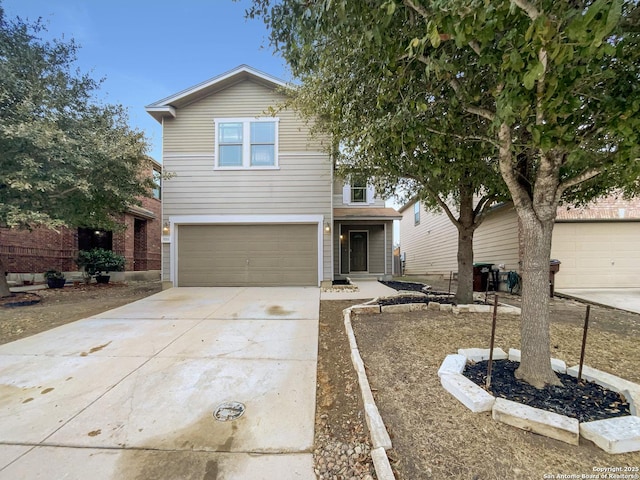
pixel 416 287
pixel 432 296
pixel 409 299
pixel 585 401
pixel 340 282
pixel 22 299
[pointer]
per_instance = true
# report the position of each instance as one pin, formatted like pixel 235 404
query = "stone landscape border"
pixel 380 440
pixel 613 435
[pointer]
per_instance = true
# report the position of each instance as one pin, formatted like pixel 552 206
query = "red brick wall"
pixel 43 249
pixel 38 250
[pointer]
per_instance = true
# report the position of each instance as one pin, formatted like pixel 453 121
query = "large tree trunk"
pixel 536 208
pixel 466 227
pixel 4 286
pixel 535 366
pixel 464 293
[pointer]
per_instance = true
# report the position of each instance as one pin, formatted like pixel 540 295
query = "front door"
pixel 358 254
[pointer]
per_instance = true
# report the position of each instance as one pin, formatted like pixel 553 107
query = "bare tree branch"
pixel 63 193
pixel 529 9
pixel 482 112
pixel 475 46
pixel 572 182
pixel 476 138
pixel 455 85
pixel 505 159
pixel 444 207
pixel 480 212
pixel 417 8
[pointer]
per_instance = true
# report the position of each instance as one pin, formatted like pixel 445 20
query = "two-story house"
pixel 253 200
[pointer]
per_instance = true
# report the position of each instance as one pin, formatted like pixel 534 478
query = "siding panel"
pixel 193 129
pixel 431 246
pixel 496 240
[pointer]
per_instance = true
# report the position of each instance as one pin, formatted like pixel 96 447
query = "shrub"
pixel 53 274
pixel 100 261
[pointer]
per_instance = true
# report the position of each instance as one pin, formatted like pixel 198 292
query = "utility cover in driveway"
pixel 247 255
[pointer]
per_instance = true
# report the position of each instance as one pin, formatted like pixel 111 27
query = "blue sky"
pixel 148 50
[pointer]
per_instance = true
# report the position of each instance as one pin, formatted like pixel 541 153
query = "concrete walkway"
pixel 130 393
pixel 622 298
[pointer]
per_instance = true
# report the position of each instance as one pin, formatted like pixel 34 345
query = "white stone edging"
pixel 380 440
pixel 613 435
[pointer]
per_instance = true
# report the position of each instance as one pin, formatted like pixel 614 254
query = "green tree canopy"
pixel 65 159
pixel 552 86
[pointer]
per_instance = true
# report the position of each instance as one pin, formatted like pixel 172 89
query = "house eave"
pixel 161 112
pixel 140 212
pixel 166 107
pixel 366 214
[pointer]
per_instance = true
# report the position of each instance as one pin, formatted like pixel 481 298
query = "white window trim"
pixel 246 143
pixel 346 196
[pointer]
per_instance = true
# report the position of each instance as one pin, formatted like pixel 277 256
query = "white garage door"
pixel 247 255
pixel 597 255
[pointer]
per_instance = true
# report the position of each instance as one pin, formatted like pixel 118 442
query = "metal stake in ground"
pixel 584 341
pixel 493 337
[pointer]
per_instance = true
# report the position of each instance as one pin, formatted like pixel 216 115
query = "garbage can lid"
pixel 481 264
pixel 554 261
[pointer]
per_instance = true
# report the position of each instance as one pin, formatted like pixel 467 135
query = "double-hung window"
pixel 359 191
pixel 246 143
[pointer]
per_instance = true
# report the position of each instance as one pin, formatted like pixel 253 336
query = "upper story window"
pixel 359 191
pixel 246 143
pixel 416 213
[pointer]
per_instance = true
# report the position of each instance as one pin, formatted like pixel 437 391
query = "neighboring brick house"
pixel 598 245
pixel 33 252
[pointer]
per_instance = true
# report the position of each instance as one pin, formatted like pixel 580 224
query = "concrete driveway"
pixel 622 298
pixel 131 393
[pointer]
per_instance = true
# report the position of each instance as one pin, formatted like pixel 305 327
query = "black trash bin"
pixel 481 276
pixel 554 267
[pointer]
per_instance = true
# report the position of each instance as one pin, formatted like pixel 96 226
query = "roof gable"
pixel 166 107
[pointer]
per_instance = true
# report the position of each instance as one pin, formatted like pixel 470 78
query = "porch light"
pixel 327 227
pixel 165 228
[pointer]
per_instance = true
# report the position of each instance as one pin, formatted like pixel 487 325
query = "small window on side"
pixel 416 213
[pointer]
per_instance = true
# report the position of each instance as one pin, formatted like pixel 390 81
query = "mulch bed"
pixel 22 299
pixel 416 287
pixel 585 401
pixel 432 296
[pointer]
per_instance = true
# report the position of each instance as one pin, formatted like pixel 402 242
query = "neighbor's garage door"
pixel 597 255
pixel 247 255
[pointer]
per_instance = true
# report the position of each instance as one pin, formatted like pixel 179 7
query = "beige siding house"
pixel 598 245
pixel 251 197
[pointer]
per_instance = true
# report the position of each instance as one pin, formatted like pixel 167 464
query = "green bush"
pixel 100 261
pixel 53 274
